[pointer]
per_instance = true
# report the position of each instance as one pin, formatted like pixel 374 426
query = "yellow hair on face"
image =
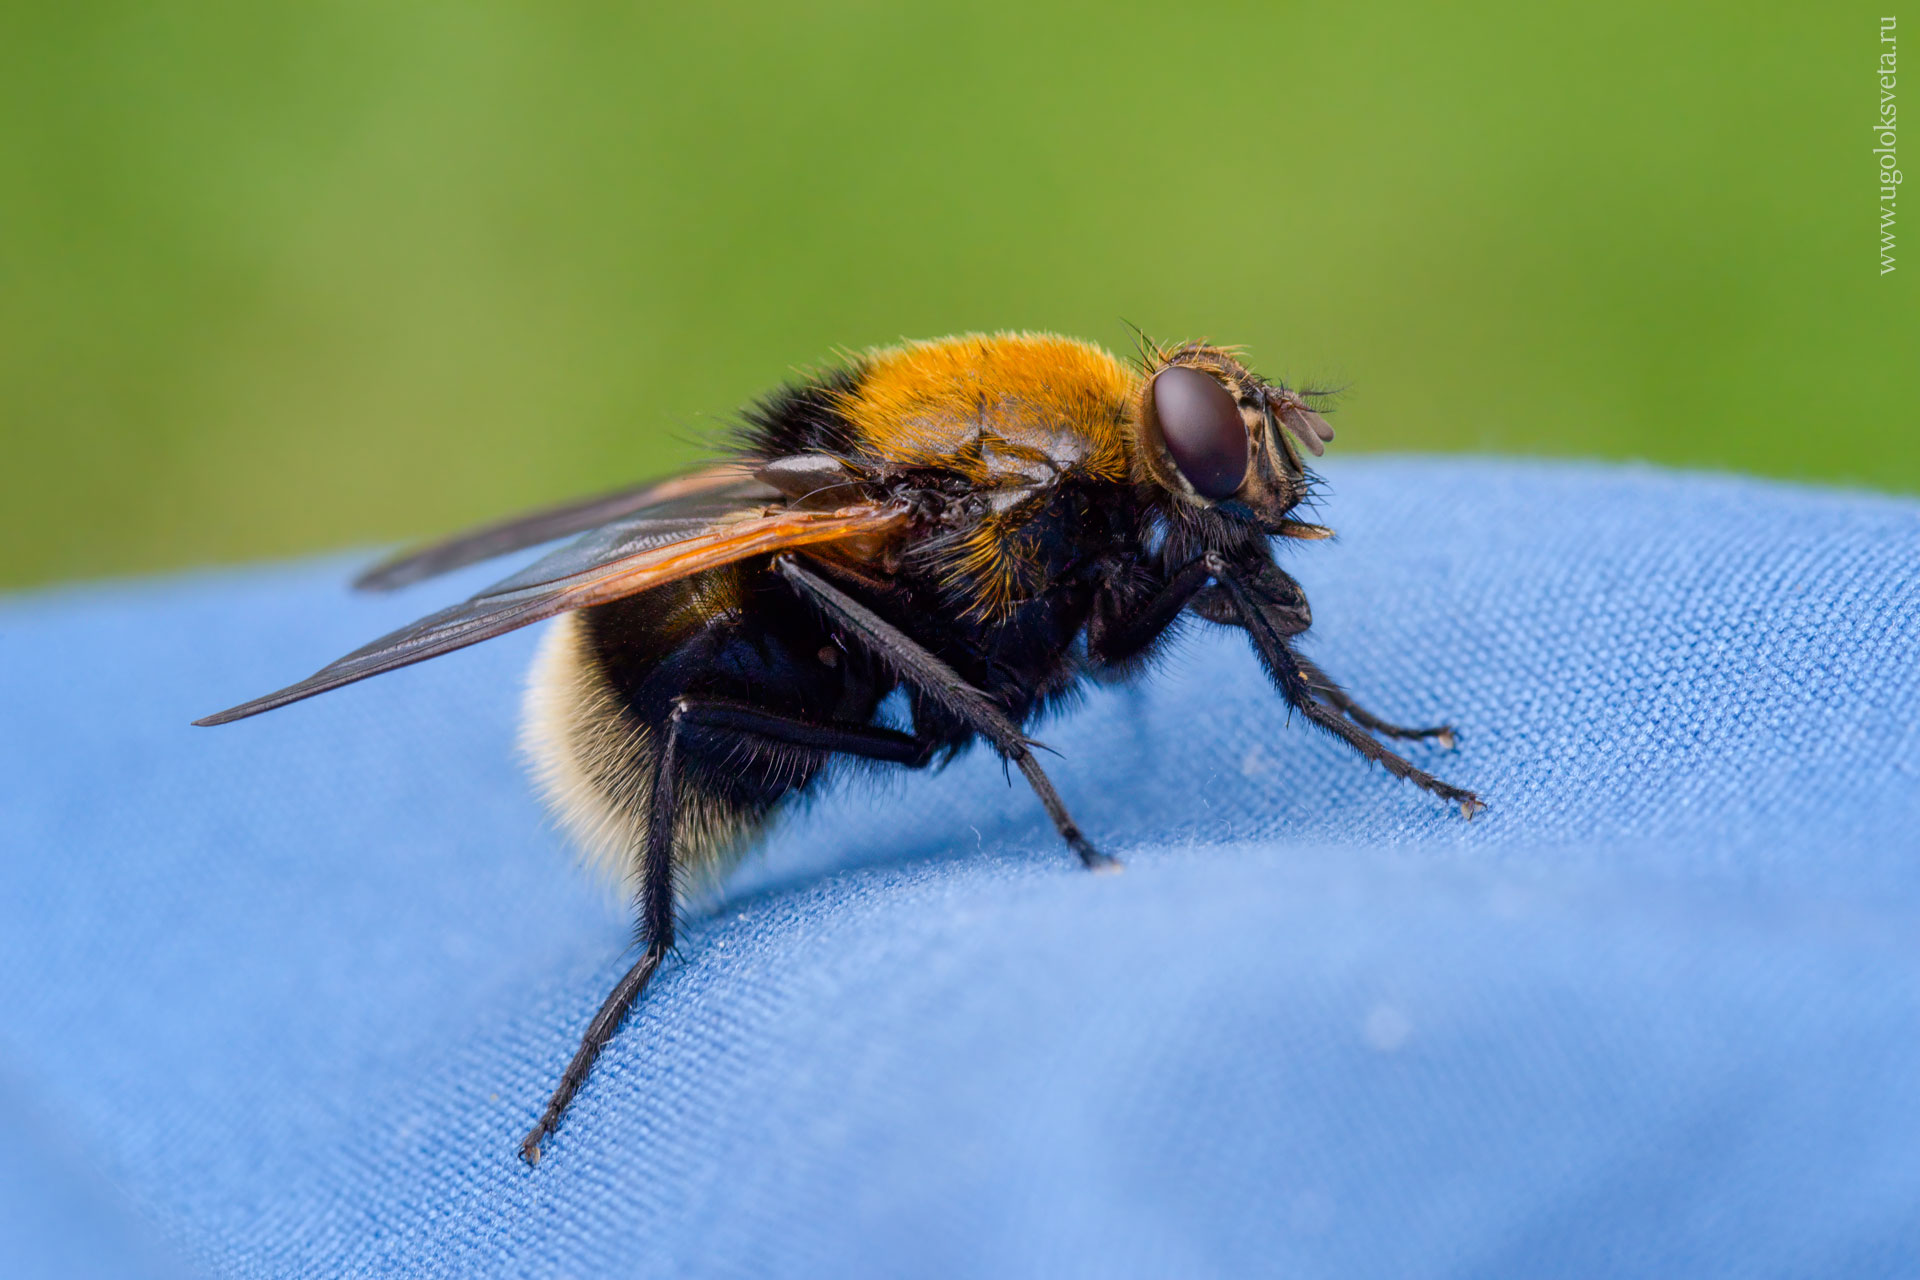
pixel 985 403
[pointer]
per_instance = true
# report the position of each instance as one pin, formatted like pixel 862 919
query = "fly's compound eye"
pixel 1196 421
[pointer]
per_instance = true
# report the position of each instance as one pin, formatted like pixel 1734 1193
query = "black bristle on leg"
pixel 613 1012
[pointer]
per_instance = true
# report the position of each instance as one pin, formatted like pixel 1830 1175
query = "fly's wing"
pixel 623 559
pixel 697 496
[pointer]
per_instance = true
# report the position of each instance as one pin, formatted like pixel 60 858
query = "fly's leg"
pixel 1279 599
pixel 924 670
pixel 1117 632
pixel 1342 701
pixel 1126 620
pixel 752 725
pixel 656 930
pixel 1285 668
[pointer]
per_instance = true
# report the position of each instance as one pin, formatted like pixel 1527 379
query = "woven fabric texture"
pixel 282 996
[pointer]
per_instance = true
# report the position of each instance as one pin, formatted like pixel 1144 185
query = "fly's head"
pixel 1217 437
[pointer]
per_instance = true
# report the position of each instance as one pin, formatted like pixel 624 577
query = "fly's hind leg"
pixel 754 726
pixel 656 930
pixel 1342 701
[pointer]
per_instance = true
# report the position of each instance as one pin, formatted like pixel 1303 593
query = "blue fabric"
pixel 281 997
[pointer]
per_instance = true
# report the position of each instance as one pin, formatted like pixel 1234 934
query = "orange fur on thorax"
pixel 1004 411
pixel 980 403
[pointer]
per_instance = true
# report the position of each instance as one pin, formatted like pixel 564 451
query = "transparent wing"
pixel 620 560
pixel 707 494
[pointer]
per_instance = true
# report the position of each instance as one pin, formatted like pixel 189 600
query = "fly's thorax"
pixel 993 409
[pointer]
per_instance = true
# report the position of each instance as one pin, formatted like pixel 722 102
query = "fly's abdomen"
pixel 594 761
pixel 606 681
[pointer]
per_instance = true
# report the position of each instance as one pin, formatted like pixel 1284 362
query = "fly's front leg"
pixel 1289 674
pixel 1284 605
pixel 757 727
pixel 1342 701
pixel 1272 588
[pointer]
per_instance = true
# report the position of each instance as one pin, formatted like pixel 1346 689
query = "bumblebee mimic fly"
pixel 979 522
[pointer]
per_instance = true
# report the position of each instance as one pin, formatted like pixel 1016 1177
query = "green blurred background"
pixel 279 278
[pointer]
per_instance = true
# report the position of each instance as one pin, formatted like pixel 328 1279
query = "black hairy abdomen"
pixel 735 634
pixel 804 417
